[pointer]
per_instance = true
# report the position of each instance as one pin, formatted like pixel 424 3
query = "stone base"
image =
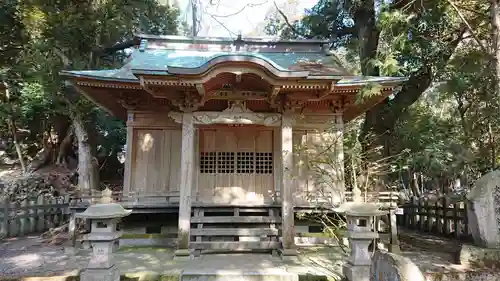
pixel 479 257
pixel 70 250
pixel 182 254
pixel 100 274
pixel 356 272
pixel 394 248
pixel 289 254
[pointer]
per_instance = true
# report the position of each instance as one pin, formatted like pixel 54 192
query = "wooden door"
pixel 236 164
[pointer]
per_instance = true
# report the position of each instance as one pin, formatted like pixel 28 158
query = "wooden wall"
pixel 154 162
pixel 155 154
pixel 316 166
pixel 157 160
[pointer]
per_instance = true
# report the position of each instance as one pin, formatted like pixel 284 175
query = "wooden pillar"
pixel 339 148
pixel 186 183
pixel 394 241
pixel 127 174
pixel 287 187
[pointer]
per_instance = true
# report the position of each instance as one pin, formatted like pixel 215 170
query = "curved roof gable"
pixel 167 55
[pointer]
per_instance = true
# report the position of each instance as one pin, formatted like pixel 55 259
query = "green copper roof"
pixel 159 62
pixel 174 55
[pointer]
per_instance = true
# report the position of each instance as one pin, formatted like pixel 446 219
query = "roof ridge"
pixel 199 39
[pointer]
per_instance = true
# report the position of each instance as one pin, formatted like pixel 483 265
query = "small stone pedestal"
pixel 103 237
pixel 360 218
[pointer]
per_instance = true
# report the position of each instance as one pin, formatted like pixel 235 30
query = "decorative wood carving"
pixel 236 95
pixel 189 101
pixel 131 101
pixel 236 113
pixel 337 105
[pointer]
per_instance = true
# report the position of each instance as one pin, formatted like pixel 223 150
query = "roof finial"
pixel 143 45
pixel 238 42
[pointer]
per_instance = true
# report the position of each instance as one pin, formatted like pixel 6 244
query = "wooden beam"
pixel 245 219
pixel 327 92
pixel 234 246
pixel 288 187
pixel 186 182
pixel 130 143
pixel 339 148
pixel 234 232
pixel 201 89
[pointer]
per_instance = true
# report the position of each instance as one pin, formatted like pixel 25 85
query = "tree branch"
pixel 115 48
pixel 401 4
pixel 419 82
pixel 294 30
pixel 469 27
pixel 65 60
pixel 251 5
pixel 473 11
pixel 231 33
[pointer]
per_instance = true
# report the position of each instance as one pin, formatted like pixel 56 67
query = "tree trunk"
pixel 19 152
pixel 13 129
pixel 65 147
pixel 495 36
pixel 87 170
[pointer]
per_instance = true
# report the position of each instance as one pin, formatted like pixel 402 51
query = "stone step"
pixel 235 246
pixel 233 220
pixel 234 231
pixel 229 276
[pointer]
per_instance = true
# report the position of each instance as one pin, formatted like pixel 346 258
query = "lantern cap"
pixel 360 209
pixel 104 211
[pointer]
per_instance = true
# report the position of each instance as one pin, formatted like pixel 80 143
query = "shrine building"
pixel 213 125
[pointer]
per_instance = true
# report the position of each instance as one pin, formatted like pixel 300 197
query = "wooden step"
pixel 232 220
pixel 234 231
pixel 235 246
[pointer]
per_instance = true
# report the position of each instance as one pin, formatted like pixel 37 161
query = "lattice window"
pixel 225 162
pixel 236 162
pixel 245 162
pixel 264 162
pixel 207 162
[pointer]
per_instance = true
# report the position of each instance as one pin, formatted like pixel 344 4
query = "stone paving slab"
pixel 29 257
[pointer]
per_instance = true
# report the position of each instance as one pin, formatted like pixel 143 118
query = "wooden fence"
pixel 34 215
pixel 440 217
pixel 388 199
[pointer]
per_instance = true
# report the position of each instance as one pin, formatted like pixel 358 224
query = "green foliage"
pixel 452 130
pixel 370 90
pixel 41 38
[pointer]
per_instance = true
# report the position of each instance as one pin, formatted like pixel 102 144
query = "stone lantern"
pixel 360 219
pixel 103 237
